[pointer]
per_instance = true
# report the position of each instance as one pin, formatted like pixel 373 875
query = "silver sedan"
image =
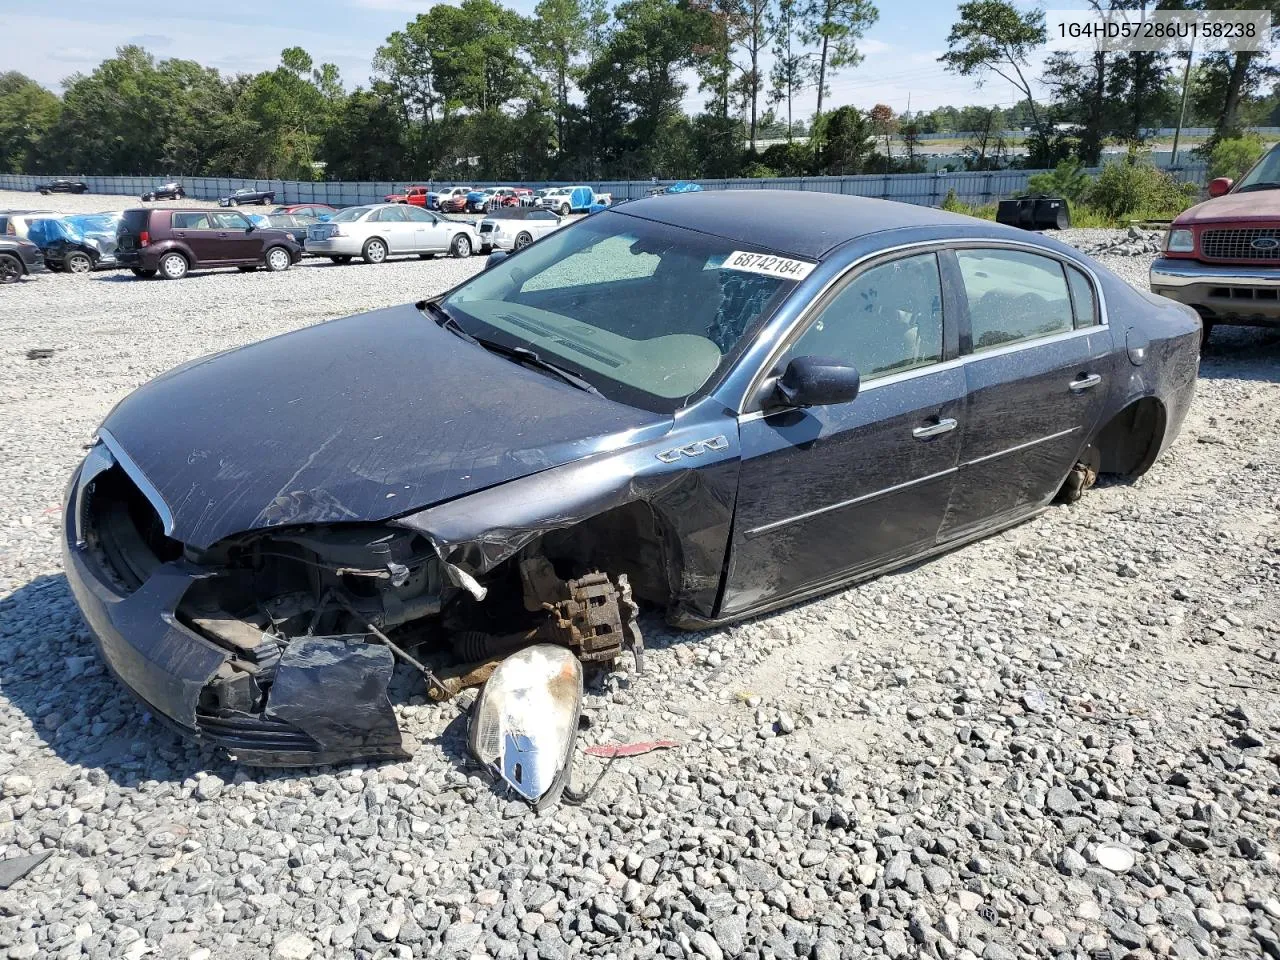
pixel 383 230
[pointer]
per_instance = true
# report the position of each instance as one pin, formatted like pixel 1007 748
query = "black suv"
pixel 18 259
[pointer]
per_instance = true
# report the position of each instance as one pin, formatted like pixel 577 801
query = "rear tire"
pixel 174 266
pixel 79 263
pixel 278 260
pixel 141 272
pixel 564 209
pixel 11 270
pixel 375 251
pixel 461 246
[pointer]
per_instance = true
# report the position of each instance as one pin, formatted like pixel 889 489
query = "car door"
pixel 401 234
pixel 197 231
pixel 430 233
pixel 237 238
pixel 1037 378
pixel 828 492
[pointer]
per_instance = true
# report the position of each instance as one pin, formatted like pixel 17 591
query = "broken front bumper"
pixel 328 701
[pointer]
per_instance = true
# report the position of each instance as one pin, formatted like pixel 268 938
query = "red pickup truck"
pixel 414 196
pixel 1222 257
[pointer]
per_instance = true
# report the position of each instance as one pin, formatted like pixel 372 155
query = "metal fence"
pixel 928 189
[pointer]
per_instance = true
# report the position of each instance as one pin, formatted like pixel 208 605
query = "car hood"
pixel 1251 205
pixel 359 419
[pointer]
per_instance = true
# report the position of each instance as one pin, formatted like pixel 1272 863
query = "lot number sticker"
pixel 770 266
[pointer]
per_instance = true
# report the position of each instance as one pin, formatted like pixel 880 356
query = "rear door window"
pixel 191 221
pixel 226 220
pixel 1013 297
pixel 1083 298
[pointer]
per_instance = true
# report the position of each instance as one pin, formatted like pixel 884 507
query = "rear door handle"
pixel 934 429
pixel 1084 383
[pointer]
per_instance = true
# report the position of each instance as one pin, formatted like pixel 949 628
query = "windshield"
pixel 1265 174
pixel 349 214
pixel 644 311
pixel 94 223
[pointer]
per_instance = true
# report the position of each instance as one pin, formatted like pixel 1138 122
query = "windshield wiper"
pixel 521 355
pixel 448 321
pixel 524 355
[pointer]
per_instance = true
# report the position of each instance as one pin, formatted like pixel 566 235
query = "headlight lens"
pixel 1180 241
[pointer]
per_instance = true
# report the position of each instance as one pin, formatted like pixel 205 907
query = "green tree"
pixel 835 27
pixel 993 36
pixel 564 32
pixel 793 68
pixel 27 112
pixel 842 141
pixel 364 140
pixel 1233 156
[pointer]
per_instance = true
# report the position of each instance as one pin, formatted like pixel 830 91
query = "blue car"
pixel 76 244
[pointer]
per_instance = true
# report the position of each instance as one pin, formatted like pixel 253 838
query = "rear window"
pixel 134 221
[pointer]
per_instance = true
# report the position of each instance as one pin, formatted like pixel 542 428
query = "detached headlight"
pixel 1179 241
pixel 525 721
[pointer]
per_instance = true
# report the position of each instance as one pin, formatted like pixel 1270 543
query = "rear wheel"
pixel 142 272
pixel 10 268
pixel 461 246
pixel 523 240
pixel 174 266
pixel 278 260
pixel 375 251
pixel 79 263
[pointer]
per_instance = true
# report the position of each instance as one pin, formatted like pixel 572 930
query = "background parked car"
pixel 18 259
pixel 166 191
pixel 294 224
pixel 245 195
pixel 65 246
pixel 321 211
pixel 14 223
pixel 453 199
pixel 414 196
pixel 382 230
pixel 579 199
pixel 171 242
pixel 532 198
pixel 512 228
pixel 481 201
pixel 63 185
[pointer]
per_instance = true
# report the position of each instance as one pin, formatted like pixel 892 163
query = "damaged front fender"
pixel 673 550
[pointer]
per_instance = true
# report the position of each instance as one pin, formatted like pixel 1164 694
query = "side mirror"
pixel 1220 185
pixel 816 382
pixel 495 258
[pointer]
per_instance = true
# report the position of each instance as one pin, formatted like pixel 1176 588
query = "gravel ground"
pixel 1064 740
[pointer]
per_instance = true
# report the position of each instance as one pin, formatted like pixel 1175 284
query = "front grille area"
pixel 1267 294
pixel 1237 245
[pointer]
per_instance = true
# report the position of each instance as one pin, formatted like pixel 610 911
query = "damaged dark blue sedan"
pixel 714 404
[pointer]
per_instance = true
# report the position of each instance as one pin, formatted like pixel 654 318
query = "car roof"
pixel 798 222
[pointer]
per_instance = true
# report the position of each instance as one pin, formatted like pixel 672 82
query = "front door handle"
pixel 1084 383
pixel 934 429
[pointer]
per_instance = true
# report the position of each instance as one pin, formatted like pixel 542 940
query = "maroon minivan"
pixel 172 242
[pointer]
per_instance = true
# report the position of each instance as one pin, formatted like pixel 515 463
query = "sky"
pixel 246 36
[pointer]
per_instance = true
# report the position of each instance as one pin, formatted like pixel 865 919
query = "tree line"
pixel 581 91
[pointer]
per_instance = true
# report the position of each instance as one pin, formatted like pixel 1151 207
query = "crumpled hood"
pixel 1252 205
pixel 359 419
